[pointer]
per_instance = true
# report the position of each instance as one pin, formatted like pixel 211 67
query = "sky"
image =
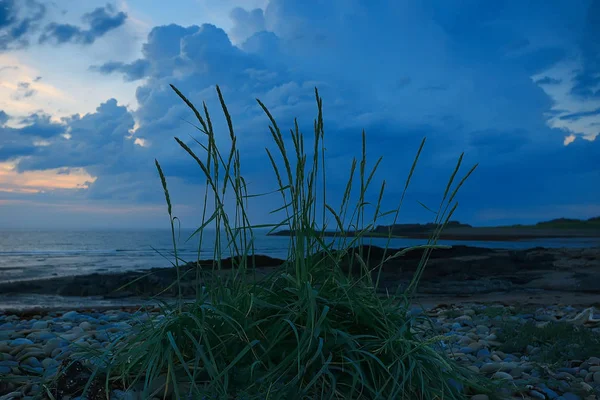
pixel 86 107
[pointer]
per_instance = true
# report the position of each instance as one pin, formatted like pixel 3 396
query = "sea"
pixel 29 255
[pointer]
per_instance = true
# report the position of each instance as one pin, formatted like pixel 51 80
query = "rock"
pixel 20 342
pixel 49 362
pixel 40 325
pixel 86 326
pixel 121 395
pixel 476 346
pixel 572 371
pixel 489 368
pixel 593 361
pixel 483 353
pixel 564 376
pixel 480 397
pixel 596 377
pixel 465 340
pixel 502 375
pixel 496 358
pixel 551 394
pixel 70 316
pixel 570 396
pixel 30 353
pixel 466 350
pixel 585 387
pixel 537 395
pixel 32 362
pixel 482 329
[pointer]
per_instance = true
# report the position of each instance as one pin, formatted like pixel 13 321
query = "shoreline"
pixel 474 234
pixel 520 297
pixel 458 272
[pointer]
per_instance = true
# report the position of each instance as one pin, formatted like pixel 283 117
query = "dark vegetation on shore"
pixel 454 230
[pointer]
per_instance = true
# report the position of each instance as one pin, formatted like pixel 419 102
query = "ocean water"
pixel 26 255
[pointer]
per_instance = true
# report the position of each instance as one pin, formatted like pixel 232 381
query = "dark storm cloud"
pixel 370 62
pixel 588 78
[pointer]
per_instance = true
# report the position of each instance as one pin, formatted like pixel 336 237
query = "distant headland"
pixel 454 230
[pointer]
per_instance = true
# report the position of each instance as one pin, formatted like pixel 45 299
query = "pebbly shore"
pixel 550 352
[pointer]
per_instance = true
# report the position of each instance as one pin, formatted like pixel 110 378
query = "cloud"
pixel 24 90
pixel 579 115
pixel 575 115
pixel 548 81
pixel 99 142
pixel 9 67
pixel 40 125
pixel 3 117
pixel 494 81
pixel 246 23
pixel 39 181
pixel 131 72
pixel 587 80
pixel 18 19
pixel 100 21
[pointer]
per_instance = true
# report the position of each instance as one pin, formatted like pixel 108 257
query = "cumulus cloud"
pixel 246 23
pixel 99 142
pixel 40 125
pixel 100 21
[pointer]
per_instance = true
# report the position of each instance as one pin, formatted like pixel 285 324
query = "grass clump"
pixel 558 341
pixel 307 331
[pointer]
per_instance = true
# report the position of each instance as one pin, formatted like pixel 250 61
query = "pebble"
pixel 502 375
pixel 20 342
pixel 37 345
pixel 537 395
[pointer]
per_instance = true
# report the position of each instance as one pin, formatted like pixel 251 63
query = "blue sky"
pixel 85 103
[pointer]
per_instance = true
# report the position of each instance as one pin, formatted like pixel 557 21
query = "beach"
pixel 36 345
pixel 472 295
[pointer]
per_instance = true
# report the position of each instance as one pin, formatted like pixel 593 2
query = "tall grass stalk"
pixel 306 330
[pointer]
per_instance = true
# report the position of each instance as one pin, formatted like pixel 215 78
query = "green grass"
pixel 558 341
pixel 307 331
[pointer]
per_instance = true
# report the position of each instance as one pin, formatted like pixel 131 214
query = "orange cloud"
pixel 39 181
